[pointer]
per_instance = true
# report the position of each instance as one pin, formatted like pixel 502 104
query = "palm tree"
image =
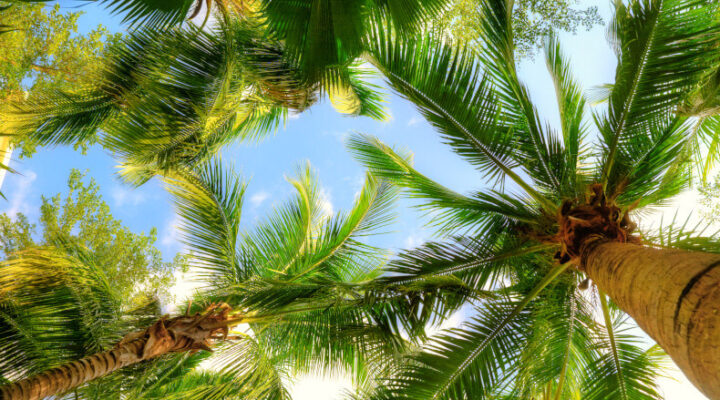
pixel 57 305
pixel 301 283
pixel 572 215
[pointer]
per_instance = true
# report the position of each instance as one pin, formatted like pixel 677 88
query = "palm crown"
pixel 539 339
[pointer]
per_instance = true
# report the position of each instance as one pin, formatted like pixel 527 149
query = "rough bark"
pixel 673 295
pixel 183 333
pixel 65 377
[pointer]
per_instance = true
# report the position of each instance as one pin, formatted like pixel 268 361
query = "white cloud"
pixel 18 200
pixel 171 235
pixel 326 205
pixel 414 240
pixel 258 198
pixel 313 387
pixel 454 321
pixel 125 196
pixel 293 114
pixel 414 121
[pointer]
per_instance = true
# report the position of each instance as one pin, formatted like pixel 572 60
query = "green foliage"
pixel 127 259
pixel 322 35
pixel 305 278
pixel 158 112
pixel 42 50
pixel 533 21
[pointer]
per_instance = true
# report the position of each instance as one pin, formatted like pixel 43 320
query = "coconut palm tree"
pixel 57 305
pixel 570 213
pixel 300 284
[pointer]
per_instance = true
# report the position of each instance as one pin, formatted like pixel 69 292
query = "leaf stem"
pixel 613 344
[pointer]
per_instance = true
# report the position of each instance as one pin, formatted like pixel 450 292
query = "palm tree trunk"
pixel 673 295
pixel 61 379
pixel 182 333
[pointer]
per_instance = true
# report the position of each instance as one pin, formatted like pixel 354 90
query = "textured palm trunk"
pixel 183 333
pixel 63 378
pixel 673 295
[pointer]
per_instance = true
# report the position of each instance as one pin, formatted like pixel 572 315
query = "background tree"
pixel 533 20
pixel 42 49
pixel 129 260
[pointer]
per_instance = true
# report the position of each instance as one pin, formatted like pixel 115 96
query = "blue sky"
pixel 316 135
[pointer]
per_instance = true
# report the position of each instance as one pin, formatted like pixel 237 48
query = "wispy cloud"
pixel 18 200
pixel 125 196
pixel 326 204
pixel 414 240
pixel 315 387
pixel 414 121
pixel 171 236
pixel 258 198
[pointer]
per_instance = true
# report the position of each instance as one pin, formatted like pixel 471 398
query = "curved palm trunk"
pixel 673 295
pixel 61 379
pixel 183 333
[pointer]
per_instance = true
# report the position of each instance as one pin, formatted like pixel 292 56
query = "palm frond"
pixel 571 104
pixel 455 210
pixel 58 305
pixel 539 149
pixel 682 234
pixel 625 370
pixel 468 362
pixel 448 86
pixel 209 201
pixel 147 13
pixel 664 49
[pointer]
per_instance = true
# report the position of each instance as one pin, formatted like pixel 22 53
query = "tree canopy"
pixel 130 260
pixel 533 21
pixel 42 49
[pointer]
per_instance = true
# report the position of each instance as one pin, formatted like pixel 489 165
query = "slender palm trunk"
pixel 182 333
pixel 673 295
pixel 63 378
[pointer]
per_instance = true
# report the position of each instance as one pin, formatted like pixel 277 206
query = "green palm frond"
pixel 571 105
pixel 539 149
pixel 156 13
pixel 708 134
pixel 449 87
pixel 147 13
pixel 469 361
pixel 322 35
pixel 480 261
pixel 209 200
pixel 244 369
pixel 682 234
pixel 354 95
pixel 651 170
pixel 664 49
pixel 559 346
pixel 456 211
pixel 624 371
pixel 222 85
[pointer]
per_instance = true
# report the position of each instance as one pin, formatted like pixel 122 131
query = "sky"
pixel 317 136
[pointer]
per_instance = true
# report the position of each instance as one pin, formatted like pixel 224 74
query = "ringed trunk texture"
pixel 673 295
pixel 178 334
pixel 63 378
